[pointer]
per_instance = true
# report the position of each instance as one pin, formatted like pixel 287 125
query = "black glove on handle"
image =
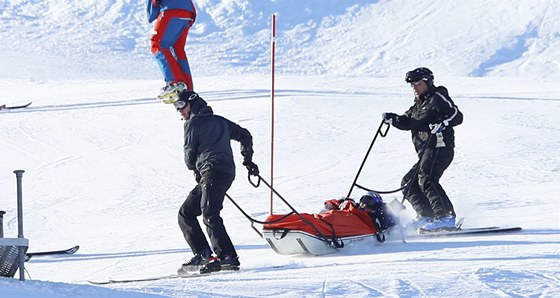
pixel 251 167
pixel 389 118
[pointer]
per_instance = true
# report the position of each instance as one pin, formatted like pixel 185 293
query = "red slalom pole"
pixel 272 58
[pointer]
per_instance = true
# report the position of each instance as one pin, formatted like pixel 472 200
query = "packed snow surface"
pixel 104 165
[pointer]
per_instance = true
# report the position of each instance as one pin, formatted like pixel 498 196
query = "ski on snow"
pixel 193 274
pixel 458 230
pixel 469 231
pixel 68 251
pixel 15 107
pixel 161 277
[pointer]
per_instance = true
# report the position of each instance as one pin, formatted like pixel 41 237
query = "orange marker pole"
pixel 272 56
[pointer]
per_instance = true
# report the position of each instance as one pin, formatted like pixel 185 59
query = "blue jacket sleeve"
pixel 153 11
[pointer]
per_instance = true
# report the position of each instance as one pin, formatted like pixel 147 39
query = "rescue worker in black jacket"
pixel 431 119
pixel 209 155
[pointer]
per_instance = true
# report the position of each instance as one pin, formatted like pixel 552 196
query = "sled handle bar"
pixel 379 132
pixel 381 192
pixel 251 181
pixel 406 186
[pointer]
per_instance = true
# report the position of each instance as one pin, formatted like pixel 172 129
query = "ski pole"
pixel 409 184
pixel 416 170
pixel 411 181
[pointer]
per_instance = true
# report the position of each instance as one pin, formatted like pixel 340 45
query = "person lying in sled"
pixel 372 203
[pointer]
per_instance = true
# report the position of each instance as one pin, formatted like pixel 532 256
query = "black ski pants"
pixel 207 199
pixel 425 194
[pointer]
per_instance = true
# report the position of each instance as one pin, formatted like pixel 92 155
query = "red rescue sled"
pixel 317 234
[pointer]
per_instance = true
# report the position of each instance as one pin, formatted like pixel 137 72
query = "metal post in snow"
pixel 272 56
pixel 2 223
pixel 21 256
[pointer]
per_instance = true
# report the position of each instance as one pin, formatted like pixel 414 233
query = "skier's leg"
pixel 167 30
pixel 188 221
pixel 433 166
pixel 415 196
pixel 214 187
pixel 179 49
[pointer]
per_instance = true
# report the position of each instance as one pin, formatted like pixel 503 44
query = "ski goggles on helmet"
pixel 179 104
pixel 415 84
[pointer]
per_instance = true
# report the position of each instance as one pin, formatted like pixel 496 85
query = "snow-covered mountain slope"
pixel 61 39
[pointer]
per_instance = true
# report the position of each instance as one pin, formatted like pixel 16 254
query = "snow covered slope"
pixel 104 170
pixel 62 39
pixel 104 163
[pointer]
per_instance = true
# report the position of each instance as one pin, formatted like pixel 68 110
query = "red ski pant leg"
pixel 170 32
pixel 179 49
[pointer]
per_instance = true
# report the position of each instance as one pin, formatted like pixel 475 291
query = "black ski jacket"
pixel 207 141
pixel 434 106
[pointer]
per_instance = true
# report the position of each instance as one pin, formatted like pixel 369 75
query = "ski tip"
pixel 68 251
pixel 7 107
pixel 95 282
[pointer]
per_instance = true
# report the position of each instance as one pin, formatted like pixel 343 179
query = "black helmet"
pixel 371 200
pixel 185 97
pixel 418 74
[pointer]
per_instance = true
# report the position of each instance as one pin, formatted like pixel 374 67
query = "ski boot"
pixel 195 263
pixel 218 264
pixel 170 92
pixel 445 223
pixel 417 223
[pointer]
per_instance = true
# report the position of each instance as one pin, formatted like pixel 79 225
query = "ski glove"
pixel 390 117
pixel 438 127
pixel 251 167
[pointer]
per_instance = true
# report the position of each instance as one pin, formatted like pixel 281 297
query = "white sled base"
pixel 293 242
